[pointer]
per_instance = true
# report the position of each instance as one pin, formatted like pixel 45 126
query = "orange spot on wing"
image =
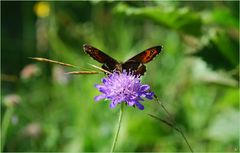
pixel 149 55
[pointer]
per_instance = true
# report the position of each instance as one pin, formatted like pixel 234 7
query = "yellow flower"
pixel 42 9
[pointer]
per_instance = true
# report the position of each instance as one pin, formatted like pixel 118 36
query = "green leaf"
pixel 181 19
pixel 226 47
pixel 221 52
pixel 220 15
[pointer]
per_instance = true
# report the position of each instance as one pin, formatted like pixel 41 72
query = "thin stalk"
pixel 175 128
pixel 118 128
pixel 5 123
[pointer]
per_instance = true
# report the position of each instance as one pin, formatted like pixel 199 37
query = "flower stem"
pixel 118 128
pixel 5 124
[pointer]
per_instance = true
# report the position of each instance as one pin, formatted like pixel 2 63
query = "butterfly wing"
pixel 136 63
pixel 108 62
pixel 147 55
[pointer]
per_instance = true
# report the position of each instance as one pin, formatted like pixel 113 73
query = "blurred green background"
pixel 196 75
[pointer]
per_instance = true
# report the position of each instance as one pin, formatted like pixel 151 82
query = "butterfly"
pixel 134 64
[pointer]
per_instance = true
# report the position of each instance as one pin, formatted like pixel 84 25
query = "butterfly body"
pixel 134 64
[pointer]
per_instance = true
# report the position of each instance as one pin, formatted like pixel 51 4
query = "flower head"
pixel 123 87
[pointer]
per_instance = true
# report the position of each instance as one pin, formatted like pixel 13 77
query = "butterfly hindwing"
pixel 108 62
pixel 134 67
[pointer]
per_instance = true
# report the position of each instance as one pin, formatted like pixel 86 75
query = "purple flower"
pixel 123 87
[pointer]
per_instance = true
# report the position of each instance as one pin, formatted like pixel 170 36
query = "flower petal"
pixel 104 80
pixel 99 97
pixel 130 103
pixel 149 95
pixel 113 104
pixel 139 105
pixel 144 87
pixel 98 85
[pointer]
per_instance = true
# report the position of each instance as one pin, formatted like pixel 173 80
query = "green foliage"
pixel 195 76
pixel 180 19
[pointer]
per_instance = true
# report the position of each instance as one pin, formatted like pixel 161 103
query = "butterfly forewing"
pixel 135 63
pixel 108 62
pixel 147 55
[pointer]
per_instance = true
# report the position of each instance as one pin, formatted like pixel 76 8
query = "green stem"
pixel 5 123
pixel 118 128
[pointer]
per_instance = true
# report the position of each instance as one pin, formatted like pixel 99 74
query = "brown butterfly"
pixel 134 64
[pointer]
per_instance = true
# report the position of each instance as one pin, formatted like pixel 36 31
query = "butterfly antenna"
pixel 52 61
pixel 175 128
pixel 101 69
